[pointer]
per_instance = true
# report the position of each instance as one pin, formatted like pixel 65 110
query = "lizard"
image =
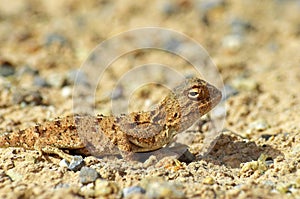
pixel 129 133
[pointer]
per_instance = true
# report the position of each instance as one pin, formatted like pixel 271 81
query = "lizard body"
pixel 134 132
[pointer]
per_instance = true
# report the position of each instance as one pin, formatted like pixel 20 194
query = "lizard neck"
pixel 174 114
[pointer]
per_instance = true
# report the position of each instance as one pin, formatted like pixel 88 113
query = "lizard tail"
pixel 16 139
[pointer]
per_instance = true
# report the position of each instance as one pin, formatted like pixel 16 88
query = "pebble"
pixel 66 91
pixel 133 190
pixel 209 5
pixel 40 82
pixel 296 149
pixel 14 175
pixel 88 190
pixel 269 161
pixel 62 186
pixel 268 183
pixel 240 26
pixel 266 136
pixel 6 68
pixel 76 163
pixel 172 44
pixel 232 43
pixel 273 46
pixel 187 157
pixel 260 165
pixel 55 38
pixel 168 7
pixel 56 80
pixel 219 112
pixel 245 84
pixel 258 125
pixel 76 76
pixel 87 175
pixel 64 163
pixel 117 92
pixel 228 91
pixel 207 8
pixel 27 97
pixel 297 182
pixel 208 180
pixel 156 189
pixel 283 187
pixel 106 188
pixel 26 69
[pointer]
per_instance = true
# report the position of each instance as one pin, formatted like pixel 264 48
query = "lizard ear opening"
pixel 193 93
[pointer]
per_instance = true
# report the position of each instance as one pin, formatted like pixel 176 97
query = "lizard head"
pixel 194 98
pixel 200 95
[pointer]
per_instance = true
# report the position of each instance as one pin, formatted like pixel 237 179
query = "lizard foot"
pixel 57 151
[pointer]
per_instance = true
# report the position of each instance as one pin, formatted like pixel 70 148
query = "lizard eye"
pixel 193 93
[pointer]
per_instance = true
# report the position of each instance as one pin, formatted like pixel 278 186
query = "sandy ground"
pixel 255 45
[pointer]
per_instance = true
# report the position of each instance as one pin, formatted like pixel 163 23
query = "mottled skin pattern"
pixel 135 132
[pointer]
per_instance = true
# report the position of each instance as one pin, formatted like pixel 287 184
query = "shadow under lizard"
pixel 134 132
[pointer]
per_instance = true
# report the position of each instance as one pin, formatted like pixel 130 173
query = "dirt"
pixel 255 46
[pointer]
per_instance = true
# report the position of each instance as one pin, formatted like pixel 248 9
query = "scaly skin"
pixel 135 132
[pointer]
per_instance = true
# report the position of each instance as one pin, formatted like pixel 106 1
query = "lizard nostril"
pixel 175 115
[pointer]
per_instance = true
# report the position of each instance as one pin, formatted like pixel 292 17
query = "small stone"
pixel 269 161
pixel 77 77
pixel 283 188
pixel 296 149
pixel 187 157
pixel 62 186
pixel 218 112
pixel 228 92
pixel 172 44
pixel 64 163
pixel 56 80
pixel 106 188
pixel 76 163
pixel 245 84
pixel 253 165
pixel 14 175
pixel 240 26
pixel 87 175
pixel 209 180
pixel 260 165
pixel 297 182
pixel 168 7
pixel 26 69
pixel 88 190
pixel 133 190
pixel 269 183
pixel 6 68
pixel 164 190
pixel 40 82
pixel 66 91
pixel 266 136
pixel 206 6
pixel 117 93
pixel 4 178
pixel 27 97
pixel 55 38
pixel 208 9
pixel 232 43
pixel 152 160
pixel 259 125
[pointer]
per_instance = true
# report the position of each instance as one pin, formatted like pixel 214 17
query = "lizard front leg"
pixel 126 148
pixel 52 150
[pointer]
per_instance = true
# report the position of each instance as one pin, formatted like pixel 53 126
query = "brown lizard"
pixel 134 132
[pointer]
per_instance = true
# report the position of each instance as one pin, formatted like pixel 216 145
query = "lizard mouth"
pixel 215 96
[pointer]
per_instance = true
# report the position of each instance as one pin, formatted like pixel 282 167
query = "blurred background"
pixel 254 44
